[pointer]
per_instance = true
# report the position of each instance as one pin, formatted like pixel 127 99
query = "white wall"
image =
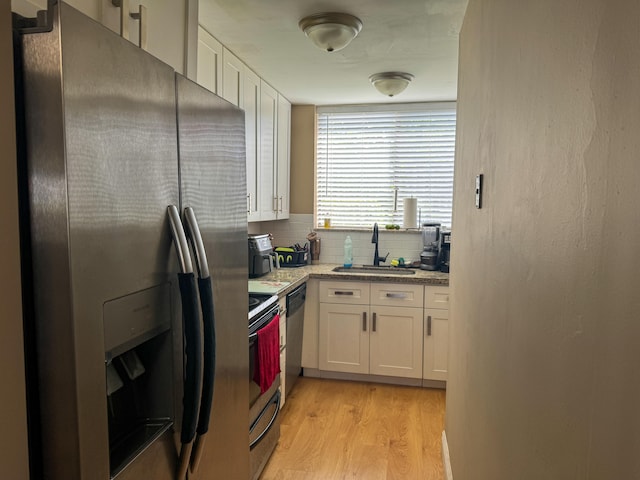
pixel 544 378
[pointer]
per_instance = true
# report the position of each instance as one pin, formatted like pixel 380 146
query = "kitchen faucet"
pixel 374 239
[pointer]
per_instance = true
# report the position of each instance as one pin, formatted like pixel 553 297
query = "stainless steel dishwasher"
pixel 295 325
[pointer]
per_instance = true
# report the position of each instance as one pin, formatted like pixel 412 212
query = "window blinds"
pixel 370 158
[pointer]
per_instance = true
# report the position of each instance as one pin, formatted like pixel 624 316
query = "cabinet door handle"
pixel 339 292
pixel 364 321
pixel 281 202
pixel 429 326
pixel 123 5
pixel 374 321
pixel 141 16
pixel 396 295
pixel 275 204
pixel 249 203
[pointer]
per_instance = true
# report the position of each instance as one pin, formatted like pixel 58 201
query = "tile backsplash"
pixel 406 244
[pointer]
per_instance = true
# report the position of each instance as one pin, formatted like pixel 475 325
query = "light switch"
pixel 479 191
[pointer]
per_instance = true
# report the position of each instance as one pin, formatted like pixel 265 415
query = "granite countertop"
pixel 295 276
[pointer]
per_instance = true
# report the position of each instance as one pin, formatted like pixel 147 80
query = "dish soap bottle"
pixel 348 252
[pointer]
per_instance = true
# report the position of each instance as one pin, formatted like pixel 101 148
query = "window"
pixel 369 158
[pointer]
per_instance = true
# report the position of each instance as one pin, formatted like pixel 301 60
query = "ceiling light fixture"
pixel 391 83
pixel 331 31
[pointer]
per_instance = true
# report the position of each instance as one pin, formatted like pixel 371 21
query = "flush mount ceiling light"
pixel 331 31
pixel 391 83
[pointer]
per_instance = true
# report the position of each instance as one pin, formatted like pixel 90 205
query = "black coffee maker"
pixel 445 251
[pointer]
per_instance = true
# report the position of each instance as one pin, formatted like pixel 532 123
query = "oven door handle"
pixel 209 334
pixel 276 400
pixel 192 340
pixel 270 313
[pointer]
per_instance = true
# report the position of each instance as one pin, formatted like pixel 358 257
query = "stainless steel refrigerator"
pixel 109 139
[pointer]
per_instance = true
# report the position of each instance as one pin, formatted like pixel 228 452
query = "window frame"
pixel 373 108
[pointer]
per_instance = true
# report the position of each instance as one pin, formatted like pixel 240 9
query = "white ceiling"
pixel 415 36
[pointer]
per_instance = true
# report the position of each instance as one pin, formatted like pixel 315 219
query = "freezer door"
pixel 101 150
pixel 212 181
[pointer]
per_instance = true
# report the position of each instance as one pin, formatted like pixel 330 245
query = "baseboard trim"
pixel 316 373
pixel 446 461
pixel 413 382
pixel 435 384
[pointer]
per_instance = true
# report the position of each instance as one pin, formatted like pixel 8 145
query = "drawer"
pixel 436 297
pixel 355 293
pixel 397 294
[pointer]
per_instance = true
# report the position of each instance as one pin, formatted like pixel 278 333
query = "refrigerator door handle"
pixel 179 240
pixel 194 235
pixel 193 341
pixel 209 333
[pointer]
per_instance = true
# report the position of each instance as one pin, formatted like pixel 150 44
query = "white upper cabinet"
pixel 268 151
pixel 209 61
pixel 233 72
pixel 284 162
pixel 165 25
pixel 251 105
pixel 267 126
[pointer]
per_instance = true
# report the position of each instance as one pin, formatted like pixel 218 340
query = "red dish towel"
pixel 267 361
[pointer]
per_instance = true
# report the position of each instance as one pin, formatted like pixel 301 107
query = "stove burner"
pixel 259 302
pixel 253 302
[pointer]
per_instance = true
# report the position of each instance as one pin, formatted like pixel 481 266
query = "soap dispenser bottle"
pixel 348 252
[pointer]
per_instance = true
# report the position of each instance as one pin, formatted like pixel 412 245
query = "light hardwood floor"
pixel 335 429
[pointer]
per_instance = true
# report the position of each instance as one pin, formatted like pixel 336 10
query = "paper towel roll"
pixel 410 219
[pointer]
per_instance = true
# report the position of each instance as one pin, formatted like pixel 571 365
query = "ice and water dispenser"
pixel 139 372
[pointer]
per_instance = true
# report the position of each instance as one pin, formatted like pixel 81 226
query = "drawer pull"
pixel 429 326
pixel 364 321
pixel 338 292
pixel 396 295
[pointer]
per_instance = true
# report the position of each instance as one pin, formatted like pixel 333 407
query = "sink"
pixel 385 269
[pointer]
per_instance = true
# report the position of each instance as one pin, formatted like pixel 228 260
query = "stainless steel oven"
pixel 264 421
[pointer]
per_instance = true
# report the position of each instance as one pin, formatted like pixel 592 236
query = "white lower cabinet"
pixel 344 338
pixel 436 333
pixel 395 341
pixel 358 335
pixel 436 344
